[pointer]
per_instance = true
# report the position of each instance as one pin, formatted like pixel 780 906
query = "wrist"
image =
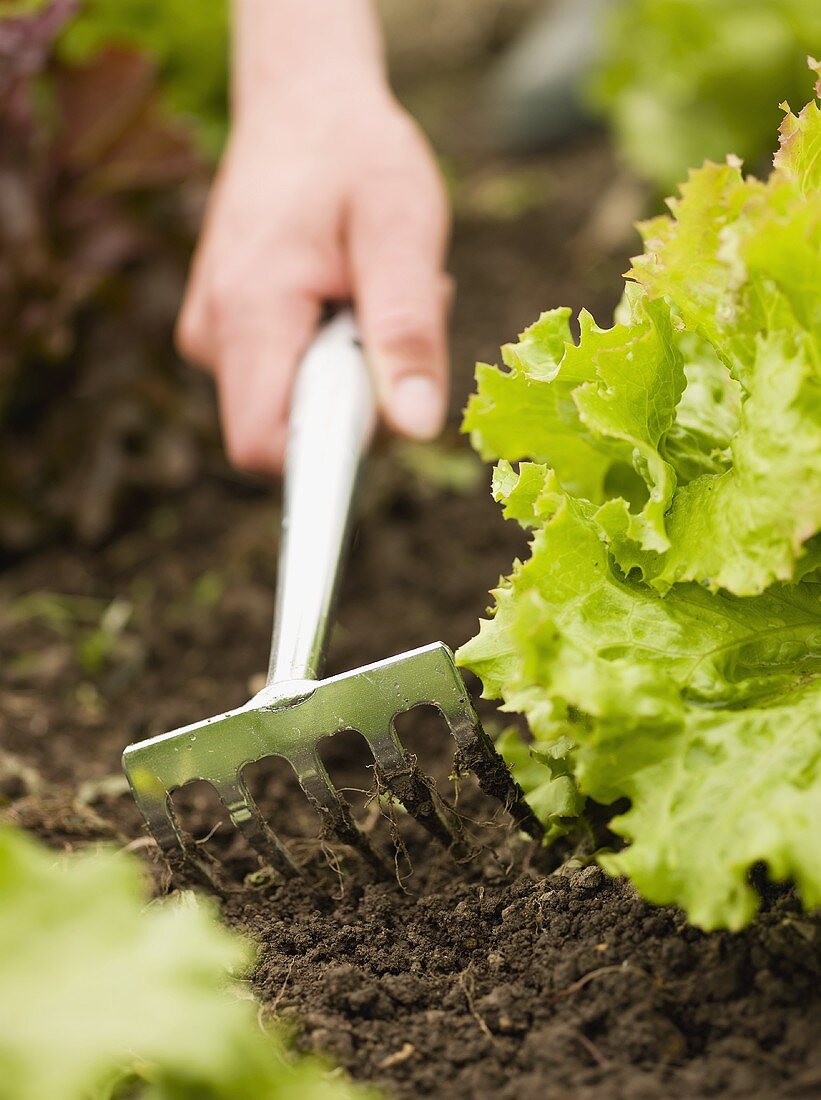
pixel 299 108
pixel 293 58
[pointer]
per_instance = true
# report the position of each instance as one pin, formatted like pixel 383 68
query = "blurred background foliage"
pixel 101 189
pixel 681 81
pixel 186 41
pixel 112 114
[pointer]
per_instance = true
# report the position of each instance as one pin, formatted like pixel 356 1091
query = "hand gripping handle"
pixel 333 413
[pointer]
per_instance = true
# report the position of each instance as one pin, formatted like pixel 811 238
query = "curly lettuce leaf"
pixel 527 411
pixel 627 408
pixel 698 441
pixel 594 411
pixel 799 144
pixel 547 774
pixel 101 995
pixel 663 697
pixel 732 788
pixel 745 527
pixel 694 422
pixel 690 258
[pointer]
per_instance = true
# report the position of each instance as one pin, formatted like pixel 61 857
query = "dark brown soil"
pixel 542 987
pixel 493 979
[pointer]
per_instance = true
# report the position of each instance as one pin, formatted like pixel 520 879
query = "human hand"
pixel 318 200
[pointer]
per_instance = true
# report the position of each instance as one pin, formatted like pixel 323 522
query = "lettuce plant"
pixel 663 638
pixel 681 80
pixel 101 996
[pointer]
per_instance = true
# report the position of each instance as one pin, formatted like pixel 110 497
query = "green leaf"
pixel 188 42
pixel 516 414
pixel 729 789
pixel 799 152
pixel 698 441
pixel 547 776
pixel 594 411
pixel 638 682
pixel 688 259
pixel 97 990
pixel 745 527
pixel 639 379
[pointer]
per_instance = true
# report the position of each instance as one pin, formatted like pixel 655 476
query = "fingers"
pixel 398 235
pixel 252 340
pixel 194 333
pixel 374 225
pixel 259 352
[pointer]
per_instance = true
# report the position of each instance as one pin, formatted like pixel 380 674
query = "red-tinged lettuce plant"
pixel 99 199
pixel 664 636
pixel 187 42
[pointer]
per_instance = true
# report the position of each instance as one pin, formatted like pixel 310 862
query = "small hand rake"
pixel 331 423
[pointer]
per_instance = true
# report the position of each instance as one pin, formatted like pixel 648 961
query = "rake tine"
pixel 334 811
pixel 476 752
pixel 397 770
pixel 245 816
pixel 176 848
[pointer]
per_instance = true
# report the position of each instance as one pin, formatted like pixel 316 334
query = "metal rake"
pixel 331 424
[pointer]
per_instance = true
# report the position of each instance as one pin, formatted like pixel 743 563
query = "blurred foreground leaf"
pixel 101 996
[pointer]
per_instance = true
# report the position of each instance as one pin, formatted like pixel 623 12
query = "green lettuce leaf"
pixel 528 410
pixel 799 145
pixel 741 261
pixel 732 788
pixel 746 526
pixel 707 415
pixel 101 995
pixel 694 422
pixel 662 698
pixel 627 408
pixel 547 775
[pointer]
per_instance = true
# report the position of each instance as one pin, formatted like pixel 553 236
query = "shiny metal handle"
pixel 333 413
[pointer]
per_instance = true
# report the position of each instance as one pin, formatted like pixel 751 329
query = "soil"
pixel 512 974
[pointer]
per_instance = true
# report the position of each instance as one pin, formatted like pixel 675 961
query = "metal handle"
pixel 333 413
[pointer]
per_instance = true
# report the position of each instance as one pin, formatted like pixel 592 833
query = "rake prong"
pixel 154 801
pixel 398 771
pixel 162 822
pixel 334 811
pixel 246 816
pixel 429 675
pixel 476 752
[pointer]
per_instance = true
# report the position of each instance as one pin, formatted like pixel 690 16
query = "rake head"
pixel 288 720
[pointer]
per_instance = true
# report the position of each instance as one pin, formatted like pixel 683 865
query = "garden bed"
pixel 514 976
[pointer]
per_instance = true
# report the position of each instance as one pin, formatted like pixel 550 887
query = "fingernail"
pixel 417 406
